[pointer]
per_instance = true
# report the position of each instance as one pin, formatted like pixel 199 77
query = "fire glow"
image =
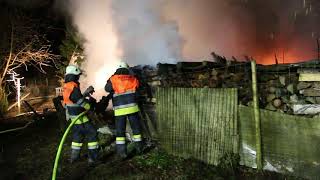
pixel 147 32
pixel 285 57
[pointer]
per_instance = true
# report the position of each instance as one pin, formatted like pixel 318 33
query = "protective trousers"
pixel 121 128
pixel 85 130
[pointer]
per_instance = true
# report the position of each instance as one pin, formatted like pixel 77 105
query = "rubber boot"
pixel 139 147
pixel 75 154
pixel 122 151
pixel 92 157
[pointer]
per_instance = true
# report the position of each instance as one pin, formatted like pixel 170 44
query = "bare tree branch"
pixel 38 58
pixel 9 59
pixel 28 47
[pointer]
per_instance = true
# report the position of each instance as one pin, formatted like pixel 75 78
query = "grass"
pixel 34 151
pixel 157 159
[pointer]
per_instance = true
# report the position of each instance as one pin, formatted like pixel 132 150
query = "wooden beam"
pixel 310 92
pixel 43 97
pixel 16 103
pixel 256 115
pixel 306 109
pixel 309 77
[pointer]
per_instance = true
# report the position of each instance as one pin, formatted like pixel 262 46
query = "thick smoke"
pixel 93 20
pixel 144 36
pixel 133 31
pixel 152 31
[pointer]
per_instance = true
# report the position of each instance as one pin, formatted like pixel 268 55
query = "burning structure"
pixel 150 32
pixel 169 45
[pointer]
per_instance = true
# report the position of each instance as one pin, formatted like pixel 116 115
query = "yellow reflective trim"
pixel 87 106
pixel 76 144
pixel 137 136
pixel 120 139
pixel 125 111
pixel 92 143
pixel 82 120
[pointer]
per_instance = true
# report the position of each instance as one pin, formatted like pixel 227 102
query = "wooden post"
pixel 19 95
pixel 318 49
pixel 256 115
pixel 276 59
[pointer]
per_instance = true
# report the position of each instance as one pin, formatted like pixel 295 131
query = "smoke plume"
pixel 133 31
pixel 93 20
pixel 145 37
pixel 152 31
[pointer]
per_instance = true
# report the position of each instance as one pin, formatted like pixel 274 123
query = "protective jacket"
pixel 75 104
pixel 74 100
pixel 123 86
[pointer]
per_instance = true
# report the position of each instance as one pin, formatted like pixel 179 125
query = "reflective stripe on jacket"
pixel 73 109
pixel 124 97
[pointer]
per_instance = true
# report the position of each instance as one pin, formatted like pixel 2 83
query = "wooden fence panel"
pixel 198 123
pixel 290 144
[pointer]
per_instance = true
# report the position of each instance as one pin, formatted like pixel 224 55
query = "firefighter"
pixel 123 87
pixel 75 104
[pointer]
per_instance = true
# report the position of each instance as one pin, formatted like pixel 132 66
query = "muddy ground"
pixel 29 155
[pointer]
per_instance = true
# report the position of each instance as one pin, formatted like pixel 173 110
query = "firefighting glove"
pixel 102 105
pixel 92 101
pixel 88 91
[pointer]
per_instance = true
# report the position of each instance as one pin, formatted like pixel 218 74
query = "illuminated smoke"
pixel 130 30
pixel 257 28
pixel 152 31
pixel 94 23
pixel 145 37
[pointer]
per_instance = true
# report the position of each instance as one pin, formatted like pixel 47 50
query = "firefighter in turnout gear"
pixel 75 103
pixel 123 86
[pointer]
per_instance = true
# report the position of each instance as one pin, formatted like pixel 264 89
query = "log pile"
pixel 279 85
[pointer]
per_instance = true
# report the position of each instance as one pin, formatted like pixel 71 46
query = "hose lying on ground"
pixel 55 167
pixel 16 129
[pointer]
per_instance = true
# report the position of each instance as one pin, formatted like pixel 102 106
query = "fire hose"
pixel 27 124
pixel 56 162
pixel 17 129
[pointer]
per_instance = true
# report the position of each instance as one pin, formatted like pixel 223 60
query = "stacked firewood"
pixel 279 85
